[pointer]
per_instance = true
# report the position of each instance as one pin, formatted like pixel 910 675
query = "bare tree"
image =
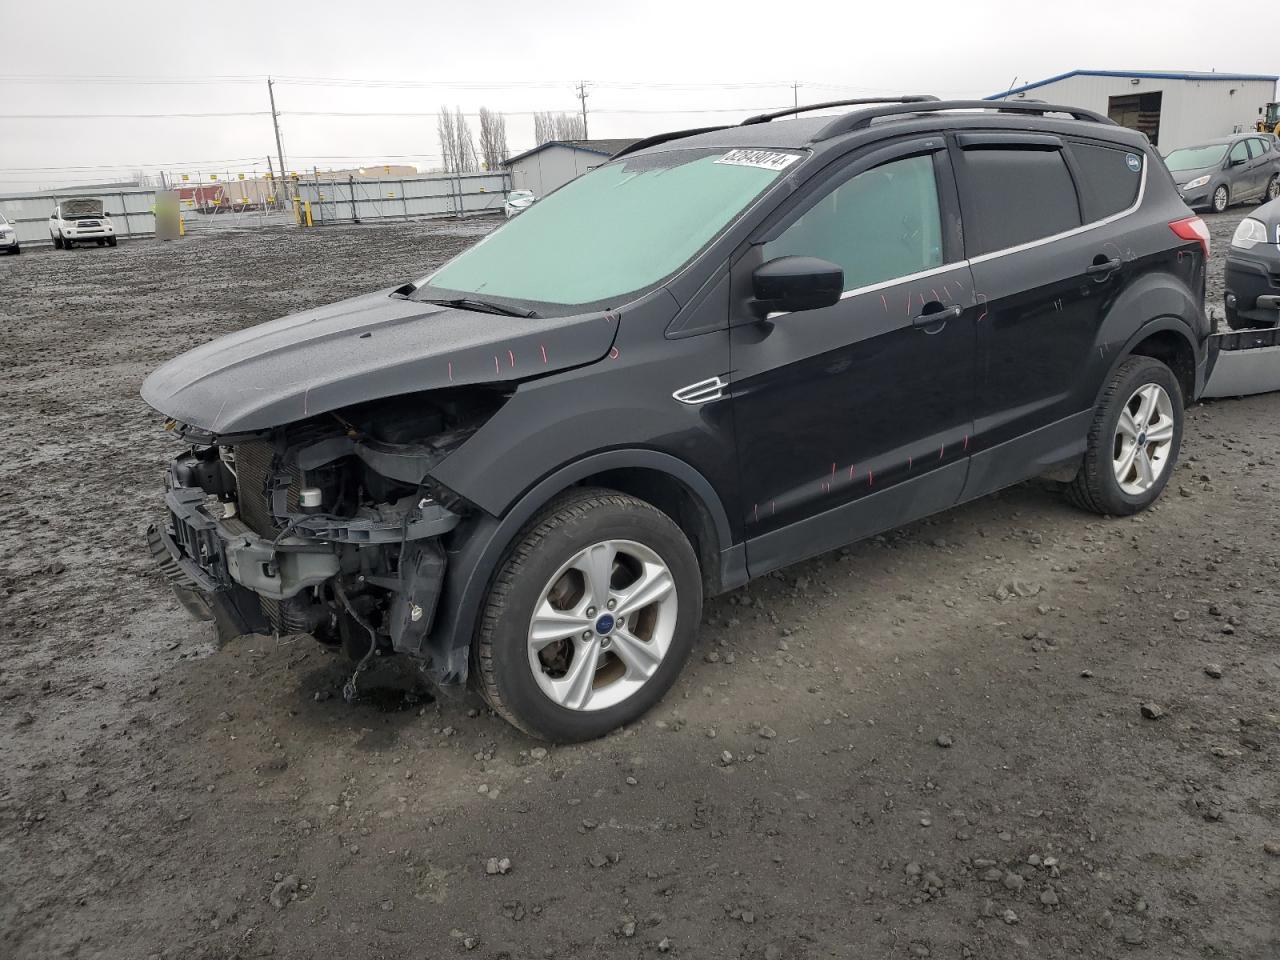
pixel 557 126
pixel 457 146
pixel 493 138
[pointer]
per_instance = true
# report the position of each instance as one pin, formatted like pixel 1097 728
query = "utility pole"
pixel 275 122
pixel 795 95
pixel 582 95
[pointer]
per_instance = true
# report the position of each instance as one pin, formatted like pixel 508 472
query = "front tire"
pixel 1221 199
pixel 1133 442
pixel 590 618
pixel 57 241
pixel 111 241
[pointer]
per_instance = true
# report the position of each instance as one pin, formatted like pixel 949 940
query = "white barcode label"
pixel 765 159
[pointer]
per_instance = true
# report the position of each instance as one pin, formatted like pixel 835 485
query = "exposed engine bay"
pixel 330 526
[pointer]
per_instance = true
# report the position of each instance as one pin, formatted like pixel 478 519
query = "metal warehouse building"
pixel 556 162
pixel 1173 109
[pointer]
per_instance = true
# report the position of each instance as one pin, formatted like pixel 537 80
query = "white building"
pixel 1173 109
pixel 556 162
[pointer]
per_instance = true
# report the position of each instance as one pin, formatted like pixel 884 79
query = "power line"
pixel 133 116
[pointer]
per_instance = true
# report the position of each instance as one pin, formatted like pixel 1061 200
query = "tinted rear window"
pixel 1110 178
pixel 1014 196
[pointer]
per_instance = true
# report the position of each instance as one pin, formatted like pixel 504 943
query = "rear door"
pixel 1042 278
pixel 1261 165
pixel 855 417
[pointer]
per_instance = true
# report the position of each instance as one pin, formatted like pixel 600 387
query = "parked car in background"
pixel 80 220
pixel 1253 270
pixel 8 236
pixel 1237 169
pixel 721 352
pixel 518 200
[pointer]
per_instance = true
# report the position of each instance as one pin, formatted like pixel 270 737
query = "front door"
pixel 855 418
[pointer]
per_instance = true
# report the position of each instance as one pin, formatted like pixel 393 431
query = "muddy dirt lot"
pixel 869 756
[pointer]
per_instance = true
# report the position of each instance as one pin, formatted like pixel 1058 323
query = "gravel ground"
pixel 869 756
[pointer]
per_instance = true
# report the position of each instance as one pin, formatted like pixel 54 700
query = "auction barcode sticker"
pixel 765 159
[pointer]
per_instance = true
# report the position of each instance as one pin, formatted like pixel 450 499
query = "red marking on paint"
pixel 966 442
pixel 982 300
pixel 908 304
pixel 826 487
pixel 958 284
pixel 755 513
pixel 544 353
pixel 885 303
pixel 935 294
pixel 511 358
pixel 871 479
pixel 910 462
pixel 941 450
pixel 451 372
pixel 613 353
pixel 851 472
pixel 773 507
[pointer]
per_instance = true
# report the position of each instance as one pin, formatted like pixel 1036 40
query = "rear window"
pixel 1014 196
pixel 1111 179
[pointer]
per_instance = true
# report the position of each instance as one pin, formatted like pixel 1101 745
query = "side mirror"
pixel 789 284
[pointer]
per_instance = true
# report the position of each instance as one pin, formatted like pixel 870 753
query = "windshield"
pixel 1192 158
pixel 616 230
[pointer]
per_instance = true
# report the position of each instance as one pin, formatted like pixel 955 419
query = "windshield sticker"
pixel 1134 163
pixel 764 159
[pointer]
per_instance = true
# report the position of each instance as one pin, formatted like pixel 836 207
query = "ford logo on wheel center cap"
pixel 604 624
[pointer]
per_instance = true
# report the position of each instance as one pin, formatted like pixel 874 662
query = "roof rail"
pixel 861 101
pixel 658 138
pixel 861 119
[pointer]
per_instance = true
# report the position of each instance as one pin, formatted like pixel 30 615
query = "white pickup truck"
pixel 80 220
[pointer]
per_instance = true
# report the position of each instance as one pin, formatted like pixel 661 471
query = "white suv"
pixel 8 236
pixel 80 221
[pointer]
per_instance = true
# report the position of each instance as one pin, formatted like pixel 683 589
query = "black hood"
pixel 372 346
pixel 1269 213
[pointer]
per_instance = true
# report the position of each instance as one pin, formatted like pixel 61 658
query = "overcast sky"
pixel 652 65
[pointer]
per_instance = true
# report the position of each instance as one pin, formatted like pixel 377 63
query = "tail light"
pixel 1193 228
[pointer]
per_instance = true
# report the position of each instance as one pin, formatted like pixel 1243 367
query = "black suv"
pixel 722 352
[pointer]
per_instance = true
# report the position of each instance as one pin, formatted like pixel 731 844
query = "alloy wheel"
pixel 603 625
pixel 1143 440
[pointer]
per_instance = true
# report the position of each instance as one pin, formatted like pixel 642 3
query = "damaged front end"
pixel 330 526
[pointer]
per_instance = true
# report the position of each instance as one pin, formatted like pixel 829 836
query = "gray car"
pixel 1236 169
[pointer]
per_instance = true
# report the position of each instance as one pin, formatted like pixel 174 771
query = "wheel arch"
pixel 477 548
pixel 1172 347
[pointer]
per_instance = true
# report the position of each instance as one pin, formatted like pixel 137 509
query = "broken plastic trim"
pixel 1243 363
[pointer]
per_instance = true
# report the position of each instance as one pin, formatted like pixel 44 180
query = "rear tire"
pixel 1273 189
pixel 1221 199
pixel 111 241
pixel 631 649
pixel 1099 486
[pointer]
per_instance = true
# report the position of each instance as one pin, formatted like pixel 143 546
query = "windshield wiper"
pixel 483 306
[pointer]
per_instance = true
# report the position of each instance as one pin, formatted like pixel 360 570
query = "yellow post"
pixel 307 206
pixel 182 227
pixel 297 212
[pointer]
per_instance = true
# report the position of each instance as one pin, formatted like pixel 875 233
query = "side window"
pixel 1111 178
pixel 1257 147
pixel 1012 196
pixel 1239 152
pixel 879 225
